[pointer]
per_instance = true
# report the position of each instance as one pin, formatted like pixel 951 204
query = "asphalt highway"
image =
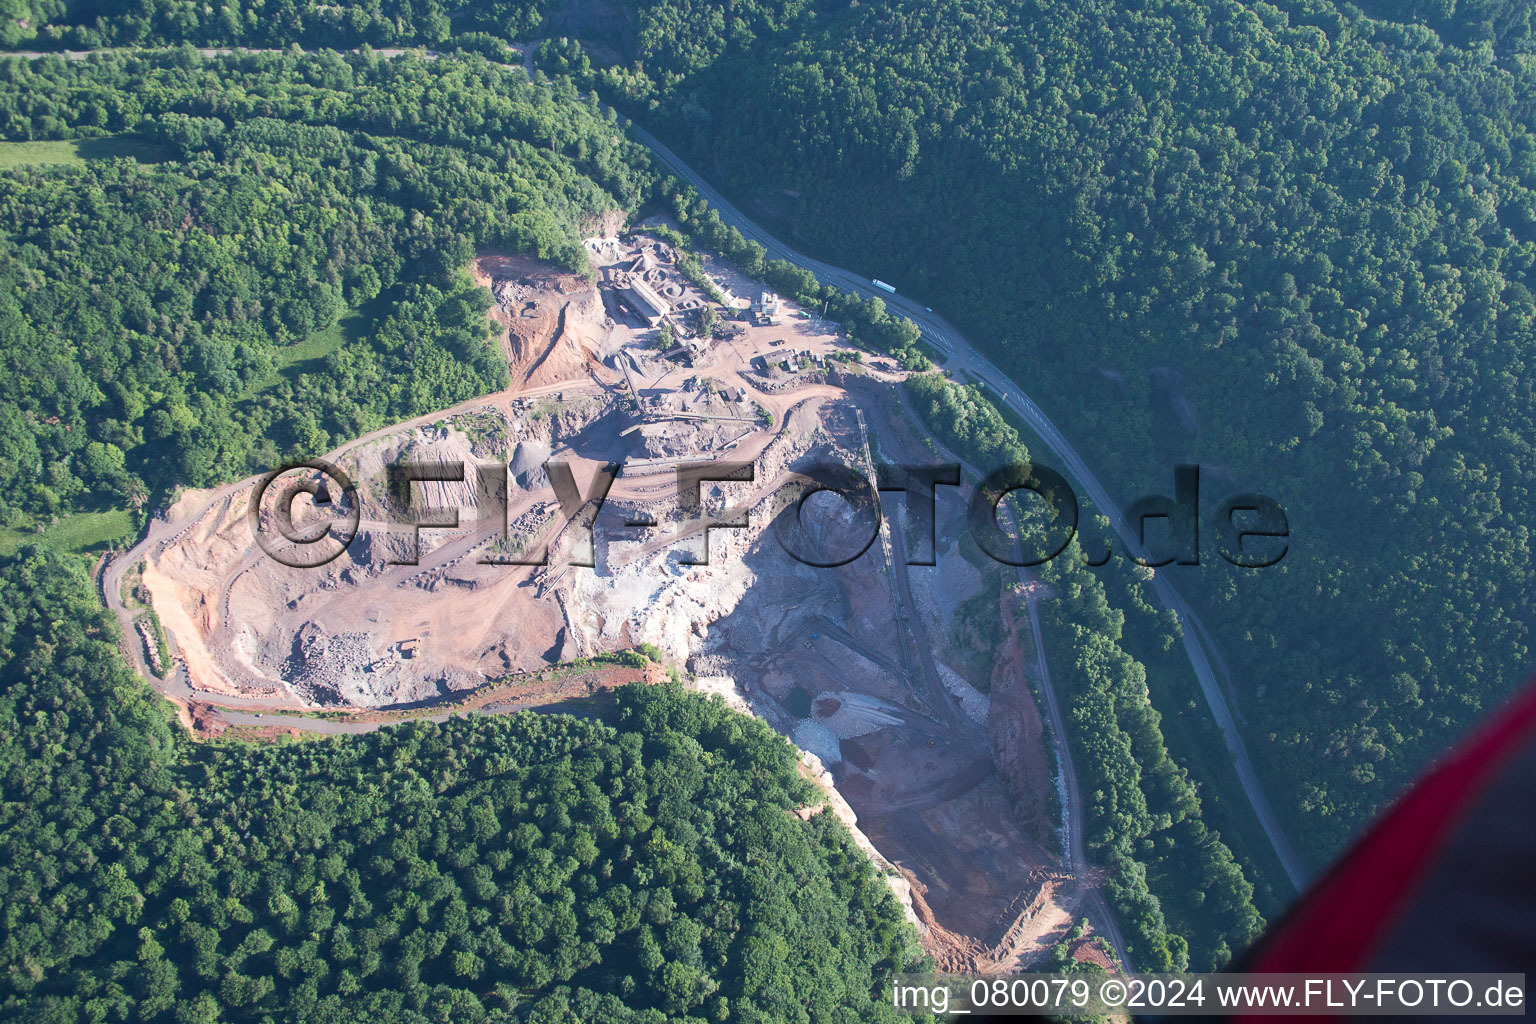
pixel 959 355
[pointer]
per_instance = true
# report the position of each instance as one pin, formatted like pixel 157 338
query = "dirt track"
pixel 918 767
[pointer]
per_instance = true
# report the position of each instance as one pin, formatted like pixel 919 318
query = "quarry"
pixel 906 687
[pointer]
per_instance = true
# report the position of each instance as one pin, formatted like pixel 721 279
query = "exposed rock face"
pixel 655 599
pixel 555 321
pixel 856 660
pixel 350 668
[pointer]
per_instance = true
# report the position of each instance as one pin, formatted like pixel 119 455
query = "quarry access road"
pixel 959 355
pixel 160 531
pixel 1075 851
pixel 163 531
pixel 1077 854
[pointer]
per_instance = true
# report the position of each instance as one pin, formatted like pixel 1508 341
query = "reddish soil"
pixel 1087 951
pixel 206 723
pixel 1015 730
pixel 203 719
pixel 940 813
pixel 546 690
pixel 554 320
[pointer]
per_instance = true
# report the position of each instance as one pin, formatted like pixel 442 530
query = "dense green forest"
pixel 525 868
pixel 89 24
pixel 1181 897
pixel 159 321
pixel 20 19
pixel 1283 239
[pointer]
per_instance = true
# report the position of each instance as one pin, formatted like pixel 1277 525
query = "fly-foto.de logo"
pixel 307 514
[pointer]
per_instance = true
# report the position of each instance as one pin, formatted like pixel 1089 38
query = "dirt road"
pixel 959 355
pixel 1074 851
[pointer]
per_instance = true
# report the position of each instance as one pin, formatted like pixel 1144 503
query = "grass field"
pixel 77 151
pixel 83 531
pixel 320 344
pixel 293 360
pixel 20 154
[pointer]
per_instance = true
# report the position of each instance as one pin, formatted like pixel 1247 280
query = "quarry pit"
pixel 905 686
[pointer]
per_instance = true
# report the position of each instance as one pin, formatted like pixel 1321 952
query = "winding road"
pixel 1075 851
pixel 959 355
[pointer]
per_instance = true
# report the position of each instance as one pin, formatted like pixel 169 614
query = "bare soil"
pixel 940 763
pixel 555 321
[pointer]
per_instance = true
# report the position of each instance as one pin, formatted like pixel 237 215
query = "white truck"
pixel 883 286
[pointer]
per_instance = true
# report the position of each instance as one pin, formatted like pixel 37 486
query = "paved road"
pixel 1075 852
pixel 959 355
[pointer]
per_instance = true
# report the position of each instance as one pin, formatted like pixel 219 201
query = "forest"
pixel 160 320
pixel 92 24
pixel 1291 241
pixel 539 868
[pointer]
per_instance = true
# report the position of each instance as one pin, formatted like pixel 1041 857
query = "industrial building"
pixel 642 298
pixel 766 309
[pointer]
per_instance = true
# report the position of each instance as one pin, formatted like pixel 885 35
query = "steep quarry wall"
pixel 929 751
